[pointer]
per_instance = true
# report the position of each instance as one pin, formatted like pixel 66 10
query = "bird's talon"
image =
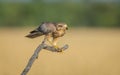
pixel 56 47
pixel 60 50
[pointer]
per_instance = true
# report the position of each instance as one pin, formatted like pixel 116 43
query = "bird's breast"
pixel 58 33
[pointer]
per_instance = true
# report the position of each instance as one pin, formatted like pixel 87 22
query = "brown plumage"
pixel 49 29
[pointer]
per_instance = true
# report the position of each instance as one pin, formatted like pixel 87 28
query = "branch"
pixel 35 55
pixel 50 48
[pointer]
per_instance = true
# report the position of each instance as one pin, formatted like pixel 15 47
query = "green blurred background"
pixel 85 13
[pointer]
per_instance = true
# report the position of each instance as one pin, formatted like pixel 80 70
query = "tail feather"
pixel 34 31
pixel 34 34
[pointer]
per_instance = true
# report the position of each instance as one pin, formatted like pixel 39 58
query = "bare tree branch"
pixel 50 48
pixel 35 55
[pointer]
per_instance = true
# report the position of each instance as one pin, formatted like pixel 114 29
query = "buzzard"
pixel 50 30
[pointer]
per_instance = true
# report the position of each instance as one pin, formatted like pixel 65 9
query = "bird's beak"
pixel 66 28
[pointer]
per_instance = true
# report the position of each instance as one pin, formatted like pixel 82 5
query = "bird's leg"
pixel 54 41
pixel 48 39
pixel 55 44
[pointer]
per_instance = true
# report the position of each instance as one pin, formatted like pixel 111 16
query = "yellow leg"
pixel 55 45
pixel 50 42
pixel 48 39
pixel 58 49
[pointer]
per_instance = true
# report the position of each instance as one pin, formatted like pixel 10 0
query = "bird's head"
pixel 61 26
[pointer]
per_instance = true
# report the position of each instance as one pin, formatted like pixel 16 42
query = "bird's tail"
pixel 34 34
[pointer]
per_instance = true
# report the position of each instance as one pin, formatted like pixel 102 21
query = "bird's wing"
pixel 44 28
pixel 47 27
pixel 34 33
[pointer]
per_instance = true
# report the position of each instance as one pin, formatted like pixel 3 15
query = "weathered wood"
pixel 50 48
pixel 33 57
pixel 36 52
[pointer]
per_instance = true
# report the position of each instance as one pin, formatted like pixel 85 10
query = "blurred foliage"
pixel 74 14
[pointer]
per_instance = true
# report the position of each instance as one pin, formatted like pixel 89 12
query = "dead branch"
pixel 36 52
pixel 50 48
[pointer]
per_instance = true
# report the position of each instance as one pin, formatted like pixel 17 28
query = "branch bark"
pixel 36 52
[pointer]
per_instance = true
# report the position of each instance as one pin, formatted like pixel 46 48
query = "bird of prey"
pixel 50 30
